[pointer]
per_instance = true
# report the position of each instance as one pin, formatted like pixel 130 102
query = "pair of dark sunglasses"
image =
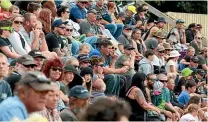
pixel 86 62
pixel 161 51
pixel 57 69
pixel 69 30
pixel 18 22
pixel 29 66
pixel 164 81
pixel 62 27
pixel 75 66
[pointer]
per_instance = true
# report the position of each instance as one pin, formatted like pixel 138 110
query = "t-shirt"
pixel 53 41
pixel 5 90
pixel 187 118
pixel 166 95
pixel 195 46
pixel 5 42
pixel 170 63
pixel 181 82
pixel 77 13
pixel 123 39
pixel 86 28
pixel 68 115
pixel 202 60
pixel 151 43
pixel 184 97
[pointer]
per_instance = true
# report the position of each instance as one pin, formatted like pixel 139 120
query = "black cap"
pixel 70 68
pixel 195 59
pixel 57 23
pixel 86 70
pixel 127 27
pixel 36 53
pixel 83 57
pixel 129 47
pixel 201 72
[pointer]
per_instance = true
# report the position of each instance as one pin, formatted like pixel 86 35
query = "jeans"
pixel 112 85
pixel 115 29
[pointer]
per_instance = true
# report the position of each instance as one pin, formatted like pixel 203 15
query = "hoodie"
pixel 145 66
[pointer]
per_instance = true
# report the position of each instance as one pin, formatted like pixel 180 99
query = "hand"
pixel 102 36
pixel 36 32
pixel 42 35
pixel 124 69
pixel 64 50
pixel 138 23
pixel 158 111
pixel 177 115
pixel 115 56
pixel 133 54
pixel 168 114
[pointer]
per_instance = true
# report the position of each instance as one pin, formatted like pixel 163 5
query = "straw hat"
pixel 167 46
pixel 160 48
pixel 159 34
pixel 174 53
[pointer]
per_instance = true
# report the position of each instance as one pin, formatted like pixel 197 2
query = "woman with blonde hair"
pixel 191 114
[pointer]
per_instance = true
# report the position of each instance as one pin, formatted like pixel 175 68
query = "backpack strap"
pixel 147 33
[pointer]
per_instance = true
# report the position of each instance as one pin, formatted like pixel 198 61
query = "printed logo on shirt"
pixel 3 96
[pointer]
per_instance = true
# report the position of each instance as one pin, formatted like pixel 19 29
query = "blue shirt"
pixel 77 13
pixel 184 97
pixel 12 107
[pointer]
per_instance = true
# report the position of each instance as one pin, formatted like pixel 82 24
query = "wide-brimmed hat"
pixel 160 48
pixel 159 34
pixel 26 60
pixel 167 46
pixel 174 53
pixel 186 72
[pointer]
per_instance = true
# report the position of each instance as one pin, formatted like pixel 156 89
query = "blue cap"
pixel 57 23
pixel 79 91
pixel 179 21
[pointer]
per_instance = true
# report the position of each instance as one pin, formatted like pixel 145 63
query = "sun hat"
pixel 167 46
pixel 174 53
pixel 159 34
pixel 186 72
pixel 160 48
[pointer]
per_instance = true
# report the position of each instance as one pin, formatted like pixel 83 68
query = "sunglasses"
pixel 11 29
pixel 29 66
pixel 161 51
pixel 18 22
pixel 145 9
pixel 168 49
pixel 83 2
pixel 163 81
pixel 75 66
pixel 56 69
pixel 86 62
pixel 101 65
pixel 114 48
pixel 69 30
pixel 67 11
pixel 199 38
pixel 62 27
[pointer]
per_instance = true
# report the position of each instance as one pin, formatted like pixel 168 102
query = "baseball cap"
pixel 79 91
pixel 57 23
pixel 70 68
pixel 127 27
pixel 161 19
pixel 132 9
pixel 37 80
pixel 129 47
pixel 195 59
pixel 83 57
pixel 121 14
pixel 36 53
pixel 93 11
pixel 86 70
pixel 26 60
pixel 179 21
pixel 201 72
pixel 186 72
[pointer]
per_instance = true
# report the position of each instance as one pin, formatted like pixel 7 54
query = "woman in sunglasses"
pixel 16 38
pixel 197 43
pixel 53 69
pixel 5 46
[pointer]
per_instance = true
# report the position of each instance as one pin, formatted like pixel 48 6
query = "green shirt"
pixel 5 90
pixel 166 95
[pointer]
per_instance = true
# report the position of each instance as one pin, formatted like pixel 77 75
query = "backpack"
pixel 147 33
pixel 169 33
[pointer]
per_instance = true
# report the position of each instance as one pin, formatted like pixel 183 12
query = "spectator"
pixel 137 98
pixel 196 43
pixel 38 59
pixel 78 12
pixel 168 49
pixel 121 18
pixel 115 29
pixel 194 100
pixel 141 14
pixel 73 61
pixel 203 62
pixel 173 99
pixel 194 62
pixel 191 113
pixel 190 32
pixel 16 38
pixel 99 111
pixel 45 18
pixel 5 46
pixel 130 12
pixel 84 49
pixel 71 78
pixel 84 60
pixel 51 6
pixel 34 8
pixel 177 34
pixel 33 84
pixel 14 10
pixel 159 26
pixel 5 90
pixel 140 46
pixel 145 64
pixel 184 97
pixel 54 42
pixel 157 39
pixel 125 37
pixel 159 60
pixel 63 13
pixel 50 111
pixel 78 100
pixel 199 78
pixel 127 59
pixel 87 74
pixel 28 25
pixel 180 85
pixel 23 64
pixel 190 53
pixel 198 28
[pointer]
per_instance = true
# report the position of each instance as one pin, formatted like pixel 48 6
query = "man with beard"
pixel 78 100
pixel 125 37
pixel 38 59
pixel 151 79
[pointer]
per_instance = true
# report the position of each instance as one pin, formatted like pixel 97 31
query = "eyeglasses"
pixel 62 27
pixel 114 48
pixel 69 30
pixel 11 29
pixel 168 49
pixel 56 69
pixel 29 66
pixel 83 2
pixel 163 81
pixel 101 65
pixel 161 51
pixel 18 22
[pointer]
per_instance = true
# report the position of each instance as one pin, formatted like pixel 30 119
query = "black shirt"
pixel 5 42
pixel 180 83
pixel 53 41
pixel 187 58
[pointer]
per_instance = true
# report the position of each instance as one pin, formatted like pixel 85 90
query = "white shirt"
pixel 170 63
pixel 187 118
